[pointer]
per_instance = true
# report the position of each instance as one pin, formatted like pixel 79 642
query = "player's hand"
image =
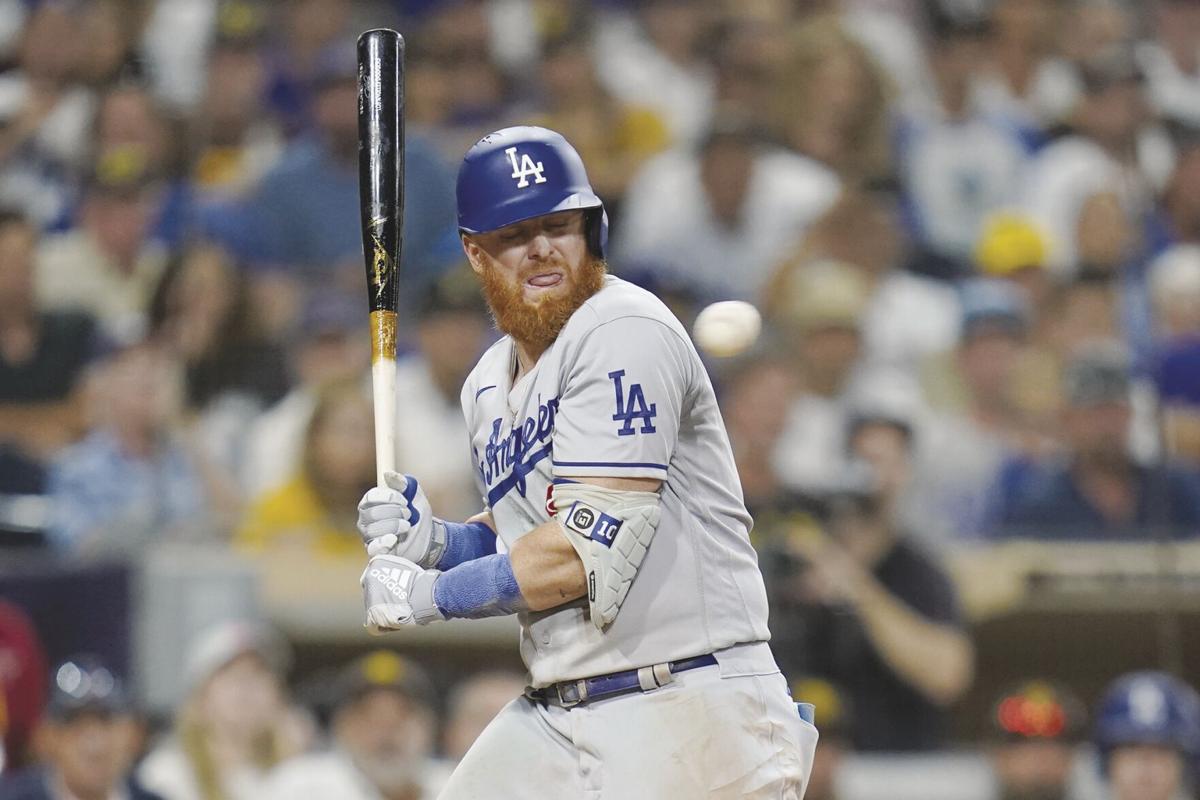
pixel 397 520
pixel 396 593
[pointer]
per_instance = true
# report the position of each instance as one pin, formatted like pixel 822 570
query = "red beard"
pixel 537 324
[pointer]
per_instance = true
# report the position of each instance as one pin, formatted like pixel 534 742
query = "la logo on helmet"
pixel 525 168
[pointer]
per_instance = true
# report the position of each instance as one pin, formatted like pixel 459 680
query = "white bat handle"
pixel 383 386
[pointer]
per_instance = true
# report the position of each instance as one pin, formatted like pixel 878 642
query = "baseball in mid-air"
pixel 727 328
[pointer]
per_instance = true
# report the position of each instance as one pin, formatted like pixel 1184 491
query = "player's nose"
pixel 539 247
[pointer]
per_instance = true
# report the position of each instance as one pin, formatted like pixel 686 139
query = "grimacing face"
pixel 535 273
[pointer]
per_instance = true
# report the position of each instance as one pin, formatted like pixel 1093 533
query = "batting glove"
pixel 397 520
pixel 396 593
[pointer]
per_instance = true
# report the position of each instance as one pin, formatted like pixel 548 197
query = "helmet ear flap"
pixel 595 222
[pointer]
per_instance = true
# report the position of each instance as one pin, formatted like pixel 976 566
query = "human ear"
pixel 472 252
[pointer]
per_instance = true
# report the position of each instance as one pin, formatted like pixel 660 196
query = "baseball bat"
pixel 381 205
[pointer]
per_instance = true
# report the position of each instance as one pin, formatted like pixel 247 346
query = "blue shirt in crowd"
pixel 99 490
pixel 305 214
pixel 1050 506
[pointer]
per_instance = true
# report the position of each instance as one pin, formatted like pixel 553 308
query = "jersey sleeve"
pixel 621 401
pixel 466 399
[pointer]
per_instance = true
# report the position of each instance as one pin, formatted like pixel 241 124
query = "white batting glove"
pixel 397 520
pixel 396 593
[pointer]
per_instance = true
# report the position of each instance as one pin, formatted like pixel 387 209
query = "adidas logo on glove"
pixel 394 581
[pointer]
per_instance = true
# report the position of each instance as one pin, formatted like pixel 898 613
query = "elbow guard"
pixel 611 530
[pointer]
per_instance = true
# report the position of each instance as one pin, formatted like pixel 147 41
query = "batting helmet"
pixel 519 173
pixel 1149 708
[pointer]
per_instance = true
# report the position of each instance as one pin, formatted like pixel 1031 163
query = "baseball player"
pixel 614 524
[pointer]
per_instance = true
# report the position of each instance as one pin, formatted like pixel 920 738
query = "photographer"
pixel 861 605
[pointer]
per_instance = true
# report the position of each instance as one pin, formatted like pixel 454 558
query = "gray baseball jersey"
pixel 622 393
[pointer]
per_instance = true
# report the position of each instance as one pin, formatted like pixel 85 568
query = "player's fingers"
pixel 386 527
pixel 388 616
pixel 376 623
pixel 396 481
pixel 377 496
pixel 382 545
pixel 369 514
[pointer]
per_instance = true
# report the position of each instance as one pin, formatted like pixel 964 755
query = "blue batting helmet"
pixel 519 173
pixel 1149 708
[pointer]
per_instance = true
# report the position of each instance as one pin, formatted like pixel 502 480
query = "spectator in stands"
pixel 201 313
pixel 303 217
pixel 1171 61
pixel 833 719
pixel 479 95
pixel 867 609
pixel 130 121
pixel 654 58
pixel 451 331
pixel 109 265
pixel 1099 169
pixel 1036 730
pixel 1148 734
pixel 304 31
pixel 132 128
pixel 427 89
pixel 722 215
pixel 472 704
pixel 981 425
pixel 328 343
pixel 43 354
pixel 1095 26
pixel 1180 202
pixel 613 138
pixel 1084 310
pixel 1025 80
pixel 316 510
pixel 110 30
pixel 131 480
pixel 844 96
pixel 232 143
pixel 749 52
pixel 47 115
pixel 1174 284
pixel 908 316
pixel 1098 490
pixel 234 726
pixel 1014 248
pixel 956 165
pixel 88 736
pixel 23 687
pixel 819 311
pixel 756 399
pixel 383 729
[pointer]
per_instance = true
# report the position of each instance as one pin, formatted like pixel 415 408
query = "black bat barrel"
pixel 381 160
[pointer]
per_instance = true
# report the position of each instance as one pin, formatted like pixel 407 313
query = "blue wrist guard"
pixel 483 587
pixel 466 541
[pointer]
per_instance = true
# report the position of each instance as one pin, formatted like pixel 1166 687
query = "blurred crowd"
pixel 972 226
pixel 377 728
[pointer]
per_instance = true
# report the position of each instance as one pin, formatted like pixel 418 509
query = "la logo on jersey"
pixel 524 168
pixel 632 406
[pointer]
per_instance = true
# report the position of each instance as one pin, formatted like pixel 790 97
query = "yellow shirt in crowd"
pixel 293 518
